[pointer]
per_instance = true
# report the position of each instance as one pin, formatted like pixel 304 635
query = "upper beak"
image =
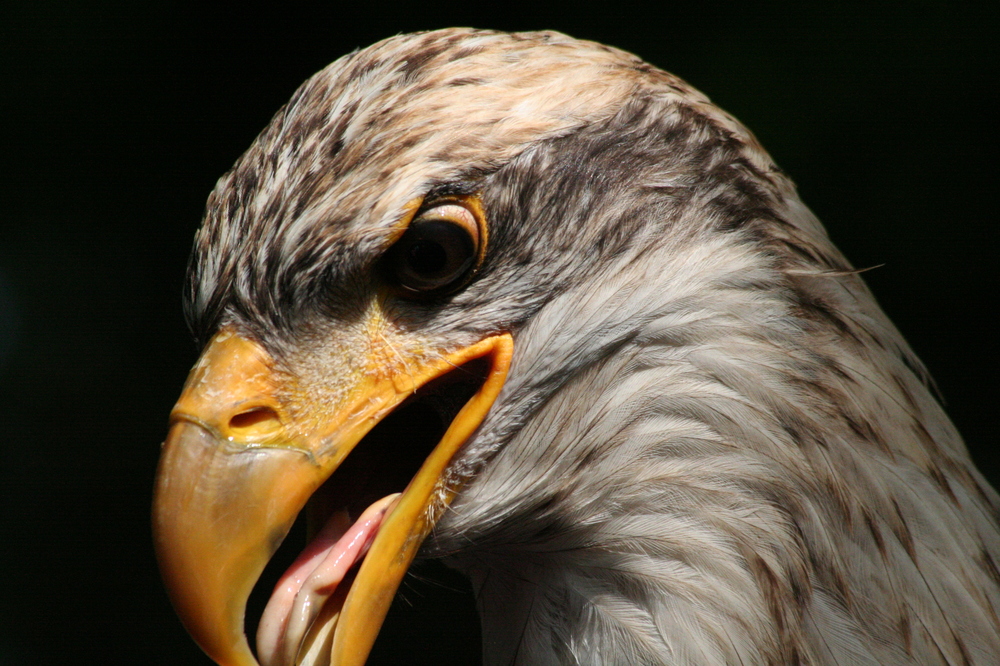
pixel 239 464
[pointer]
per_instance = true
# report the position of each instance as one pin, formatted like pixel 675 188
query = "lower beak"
pixel 237 468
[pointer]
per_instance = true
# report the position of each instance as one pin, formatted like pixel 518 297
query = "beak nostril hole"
pixel 256 421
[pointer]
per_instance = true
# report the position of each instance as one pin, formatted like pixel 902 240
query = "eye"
pixel 437 251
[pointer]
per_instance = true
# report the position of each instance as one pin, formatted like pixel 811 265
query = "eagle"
pixel 533 307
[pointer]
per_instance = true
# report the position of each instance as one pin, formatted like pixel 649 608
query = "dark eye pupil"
pixel 432 255
pixel 426 257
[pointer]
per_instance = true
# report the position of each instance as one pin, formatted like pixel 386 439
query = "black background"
pixel 117 117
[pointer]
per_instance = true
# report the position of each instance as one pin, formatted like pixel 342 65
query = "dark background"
pixel 117 117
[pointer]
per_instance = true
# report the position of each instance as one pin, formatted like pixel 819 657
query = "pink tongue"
pixel 299 596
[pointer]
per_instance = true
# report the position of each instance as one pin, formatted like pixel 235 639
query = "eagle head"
pixel 535 307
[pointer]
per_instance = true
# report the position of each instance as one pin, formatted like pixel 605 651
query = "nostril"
pixel 256 421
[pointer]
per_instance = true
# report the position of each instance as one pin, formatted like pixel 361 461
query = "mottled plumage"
pixel 712 447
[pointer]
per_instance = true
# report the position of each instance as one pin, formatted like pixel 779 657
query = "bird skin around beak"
pixel 239 465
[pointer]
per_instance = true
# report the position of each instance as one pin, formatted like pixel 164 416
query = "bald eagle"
pixel 532 306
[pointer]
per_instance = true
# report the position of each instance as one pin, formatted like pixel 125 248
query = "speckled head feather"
pixel 712 447
pixel 317 194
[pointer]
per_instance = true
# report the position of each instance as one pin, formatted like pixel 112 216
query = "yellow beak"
pixel 239 464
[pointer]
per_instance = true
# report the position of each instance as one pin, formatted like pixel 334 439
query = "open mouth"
pixel 344 515
pixel 371 471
